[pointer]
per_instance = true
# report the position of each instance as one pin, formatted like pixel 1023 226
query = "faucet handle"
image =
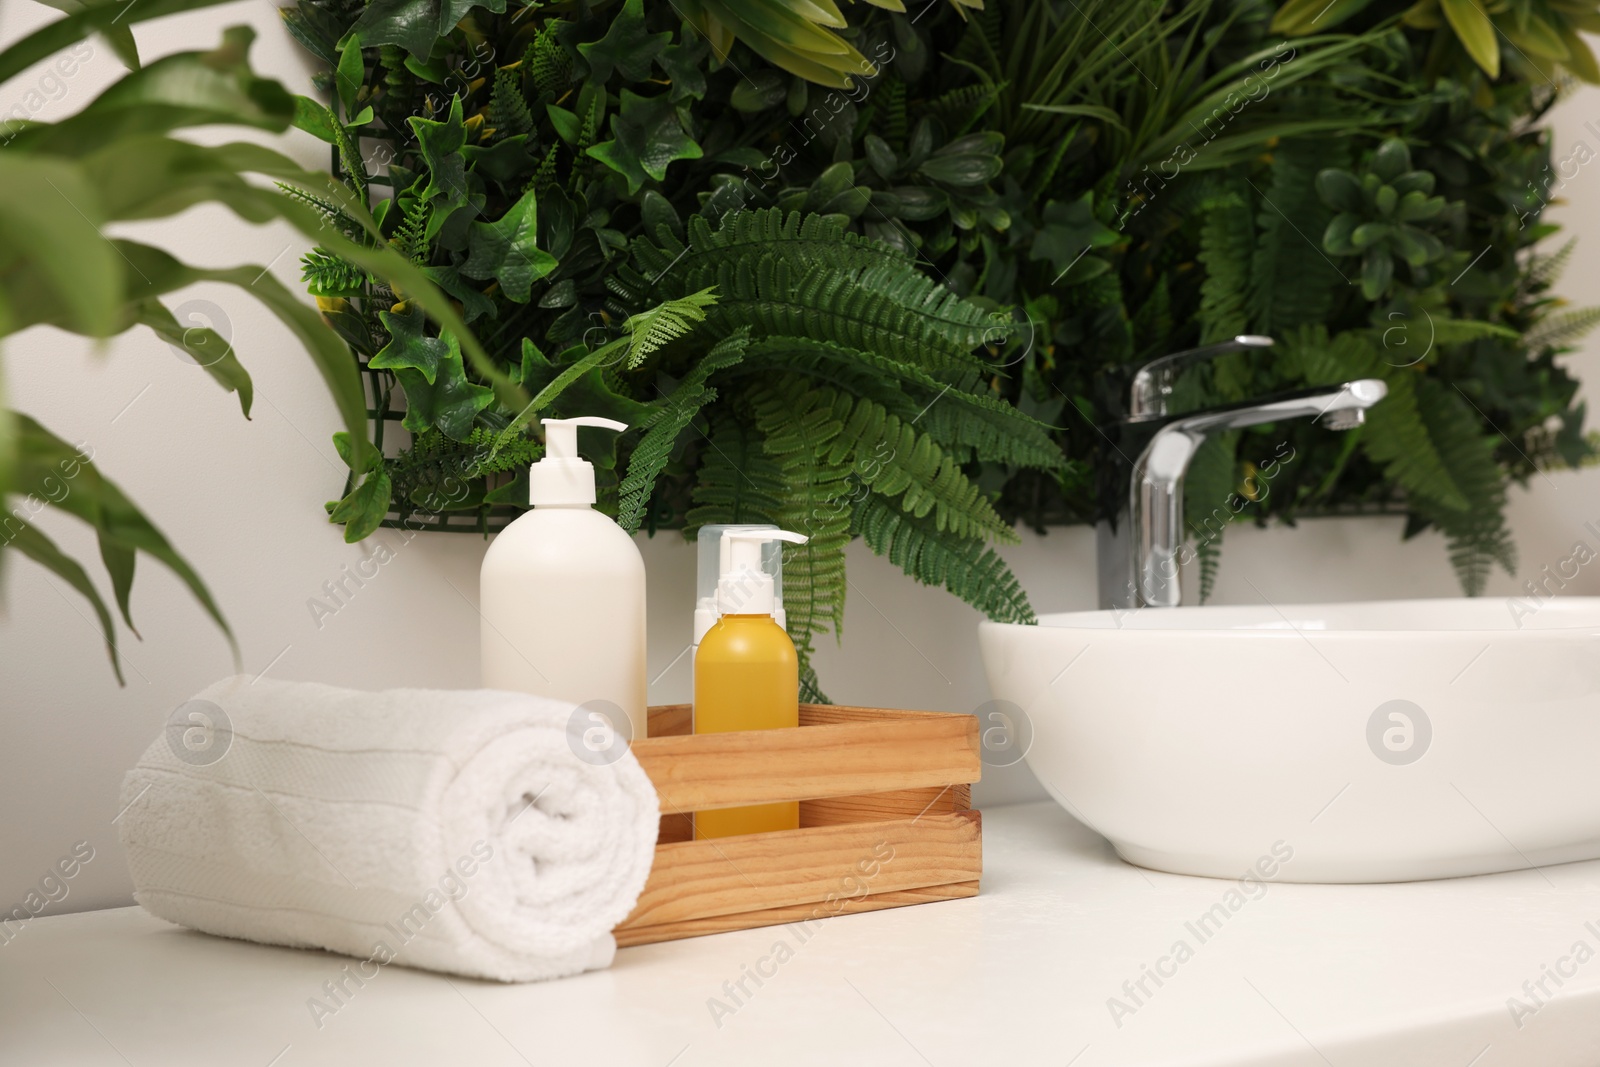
pixel 1152 385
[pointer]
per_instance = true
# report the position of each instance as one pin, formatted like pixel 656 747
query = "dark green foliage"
pixel 567 177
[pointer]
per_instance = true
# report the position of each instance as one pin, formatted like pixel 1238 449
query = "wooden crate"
pixel 886 819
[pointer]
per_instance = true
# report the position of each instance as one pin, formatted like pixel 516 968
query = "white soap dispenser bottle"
pixel 562 594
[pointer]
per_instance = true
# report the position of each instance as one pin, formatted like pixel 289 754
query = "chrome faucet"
pixel 1139 553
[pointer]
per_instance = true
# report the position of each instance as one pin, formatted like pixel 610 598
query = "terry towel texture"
pixel 455 831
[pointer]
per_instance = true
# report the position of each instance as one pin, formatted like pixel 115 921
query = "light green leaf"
pixel 506 250
pixel 1476 32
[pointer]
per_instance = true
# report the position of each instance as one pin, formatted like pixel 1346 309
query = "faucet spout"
pixel 1146 574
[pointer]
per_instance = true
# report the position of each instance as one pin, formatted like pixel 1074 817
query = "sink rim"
pixel 1566 615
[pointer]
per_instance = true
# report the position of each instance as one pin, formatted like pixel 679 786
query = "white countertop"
pixel 1364 976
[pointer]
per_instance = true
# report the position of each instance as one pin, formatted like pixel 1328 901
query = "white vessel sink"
pixel 1372 742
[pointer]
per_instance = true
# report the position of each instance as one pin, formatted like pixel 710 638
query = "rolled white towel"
pixel 455 831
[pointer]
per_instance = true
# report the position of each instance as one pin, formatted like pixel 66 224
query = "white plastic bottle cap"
pixel 745 588
pixel 562 477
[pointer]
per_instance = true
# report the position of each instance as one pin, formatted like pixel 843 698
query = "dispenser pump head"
pixel 744 587
pixel 561 477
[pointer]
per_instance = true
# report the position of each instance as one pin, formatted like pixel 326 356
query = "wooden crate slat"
pixel 792 913
pixel 725 876
pixel 839 811
pixel 831 714
pixel 725 770
pixel 880 807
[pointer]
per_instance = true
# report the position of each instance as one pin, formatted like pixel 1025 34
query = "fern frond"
pixel 1556 331
pixel 1541 272
pixel 326 275
pixel 959 108
pixel 1292 281
pixel 954 413
pixel 545 176
pixel 805 276
pixel 1227 239
pixel 1394 434
pixel 326 208
pixel 967 568
pixel 891 121
pixel 508 111
pixel 664 427
pixel 665 323
pixel 411 235
pixel 816 502
pixel 546 63
pixel 737 481
pixel 1478 534
pixel 895 461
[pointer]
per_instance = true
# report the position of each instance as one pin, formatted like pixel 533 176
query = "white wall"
pixel 243 501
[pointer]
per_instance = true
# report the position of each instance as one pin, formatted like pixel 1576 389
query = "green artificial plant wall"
pixel 888 275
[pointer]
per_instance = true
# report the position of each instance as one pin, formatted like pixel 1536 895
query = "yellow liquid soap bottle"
pixel 746 674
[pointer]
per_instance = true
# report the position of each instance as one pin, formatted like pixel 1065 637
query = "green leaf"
pixel 157 273
pixel 646 136
pixel 506 250
pixel 213 352
pixel 363 510
pixel 104 17
pixel 96 501
pixel 1392 159
pixel 449 402
pixel 350 74
pixel 1476 32
pixel 1068 231
pixel 409 347
pixel 61 268
pixel 567 125
pixel 43 551
pixel 1300 17
pixel 627 47
pixel 416 25
pixel 441 144
pixel 314 118
pixel 961 170
pixel 179 91
pixel 1340 190
pixel 1377 270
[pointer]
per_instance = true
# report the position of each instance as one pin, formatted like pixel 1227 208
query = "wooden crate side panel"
pixel 670 720
pixel 793 913
pixel 702 879
pixel 725 770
